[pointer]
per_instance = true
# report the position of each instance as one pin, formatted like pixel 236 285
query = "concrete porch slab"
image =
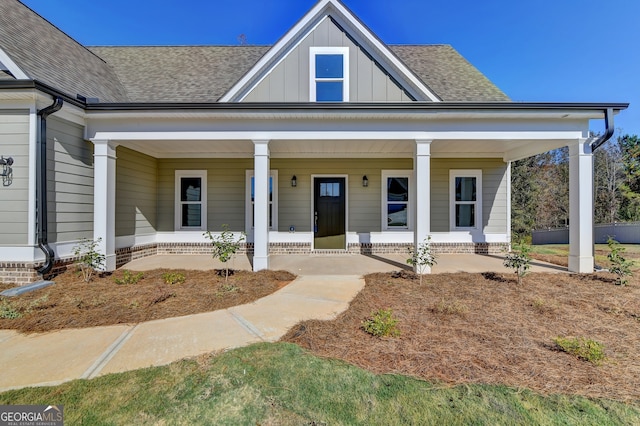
pixel 338 264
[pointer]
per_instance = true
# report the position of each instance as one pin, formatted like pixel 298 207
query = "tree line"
pixel 540 186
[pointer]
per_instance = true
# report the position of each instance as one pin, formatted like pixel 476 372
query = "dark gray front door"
pixel 329 213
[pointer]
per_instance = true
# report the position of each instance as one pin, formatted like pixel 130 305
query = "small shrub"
pixel 519 260
pixel 129 278
pixel 8 310
pixel 173 278
pixel 619 264
pixel 224 245
pixel 542 306
pixel 381 324
pixel 422 257
pixel 89 259
pixel 451 308
pixel 226 289
pixel 586 349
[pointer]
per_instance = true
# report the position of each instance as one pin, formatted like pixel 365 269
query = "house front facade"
pixel 328 141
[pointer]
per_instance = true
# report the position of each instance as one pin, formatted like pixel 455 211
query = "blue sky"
pixel 534 50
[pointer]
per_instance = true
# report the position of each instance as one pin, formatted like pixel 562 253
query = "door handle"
pixel 315 222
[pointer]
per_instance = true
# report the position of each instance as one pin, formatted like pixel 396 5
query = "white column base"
pixel 110 263
pixel 260 263
pixel 581 264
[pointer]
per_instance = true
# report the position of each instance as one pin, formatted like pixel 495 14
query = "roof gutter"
pixel 41 186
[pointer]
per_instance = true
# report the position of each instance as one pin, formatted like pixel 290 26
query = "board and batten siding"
pixel 136 193
pixel 494 192
pixel 226 179
pixel 70 184
pixel 14 142
pixel 289 80
pixel 363 204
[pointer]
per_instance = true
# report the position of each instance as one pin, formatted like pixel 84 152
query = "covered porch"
pixel 423 138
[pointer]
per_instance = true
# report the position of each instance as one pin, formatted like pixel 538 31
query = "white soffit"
pixel 305 26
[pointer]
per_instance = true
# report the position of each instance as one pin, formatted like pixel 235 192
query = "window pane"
pixel 465 189
pixel 465 215
pixel 397 215
pixel 329 66
pixel 190 189
pixel 191 215
pixel 329 91
pixel 398 189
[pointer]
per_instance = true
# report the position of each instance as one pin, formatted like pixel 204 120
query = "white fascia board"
pixel 12 66
pixel 337 135
pixel 304 27
pixel 275 50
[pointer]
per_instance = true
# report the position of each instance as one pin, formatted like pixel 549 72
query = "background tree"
pixel 630 187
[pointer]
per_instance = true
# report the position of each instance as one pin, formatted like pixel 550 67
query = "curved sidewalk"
pixel 56 357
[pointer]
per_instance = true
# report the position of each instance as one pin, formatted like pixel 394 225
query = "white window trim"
pixel 202 174
pixel 329 50
pixel 453 174
pixel 410 203
pixel 274 203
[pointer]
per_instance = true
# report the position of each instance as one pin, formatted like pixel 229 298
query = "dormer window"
pixel 329 80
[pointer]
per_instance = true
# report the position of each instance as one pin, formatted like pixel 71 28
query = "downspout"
pixel 608 133
pixel 41 186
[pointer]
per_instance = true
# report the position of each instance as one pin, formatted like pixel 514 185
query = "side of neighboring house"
pixel 329 141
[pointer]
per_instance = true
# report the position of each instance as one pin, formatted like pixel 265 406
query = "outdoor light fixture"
pixel 365 181
pixel 7 171
pixel 294 181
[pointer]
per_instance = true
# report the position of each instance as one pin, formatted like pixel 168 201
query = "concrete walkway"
pixel 57 357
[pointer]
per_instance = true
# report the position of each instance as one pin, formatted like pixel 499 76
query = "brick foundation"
pixel 21 273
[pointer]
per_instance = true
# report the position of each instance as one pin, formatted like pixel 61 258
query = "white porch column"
pixel 261 205
pixel 104 200
pixel 580 207
pixel 422 212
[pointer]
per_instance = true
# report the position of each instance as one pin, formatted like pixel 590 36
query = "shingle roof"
pixel 189 73
pixel 48 55
pixel 205 73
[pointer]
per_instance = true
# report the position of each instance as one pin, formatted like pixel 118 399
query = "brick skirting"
pixel 22 273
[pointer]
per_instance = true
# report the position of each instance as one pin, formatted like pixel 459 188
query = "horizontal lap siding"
pixel 14 142
pixel 494 192
pixel 225 191
pixel 363 203
pixel 136 193
pixel 70 185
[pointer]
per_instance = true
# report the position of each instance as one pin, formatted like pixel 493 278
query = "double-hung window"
pixel 396 205
pixel 273 200
pixel 466 199
pixel 191 200
pixel 329 74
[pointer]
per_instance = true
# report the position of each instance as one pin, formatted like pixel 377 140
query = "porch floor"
pixel 342 264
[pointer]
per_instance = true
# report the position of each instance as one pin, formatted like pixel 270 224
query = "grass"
pixel 281 384
pixel 632 252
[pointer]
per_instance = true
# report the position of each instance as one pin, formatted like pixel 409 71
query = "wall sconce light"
pixel 294 181
pixel 365 181
pixel 7 171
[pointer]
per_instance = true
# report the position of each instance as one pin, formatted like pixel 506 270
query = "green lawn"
pixel 280 384
pixel 631 252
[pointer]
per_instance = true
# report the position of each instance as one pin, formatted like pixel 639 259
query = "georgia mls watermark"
pixel 31 415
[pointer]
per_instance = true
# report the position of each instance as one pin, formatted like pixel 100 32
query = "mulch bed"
pixel 73 303
pixel 484 328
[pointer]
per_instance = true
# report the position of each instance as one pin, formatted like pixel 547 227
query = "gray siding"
pixel 289 80
pixel 494 192
pixel 364 208
pixel 70 186
pixel 225 191
pixel 14 141
pixel 136 193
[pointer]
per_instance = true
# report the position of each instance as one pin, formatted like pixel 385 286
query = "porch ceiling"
pixel 347 148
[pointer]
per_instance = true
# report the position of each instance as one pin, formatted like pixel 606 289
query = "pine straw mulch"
pixel 484 328
pixel 73 303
